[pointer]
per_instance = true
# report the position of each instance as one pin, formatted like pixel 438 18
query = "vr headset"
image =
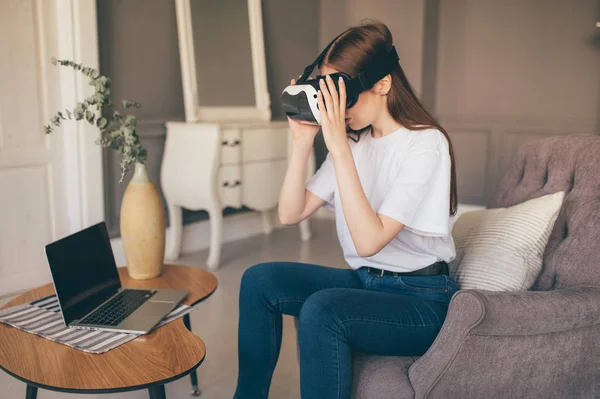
pixel 300 100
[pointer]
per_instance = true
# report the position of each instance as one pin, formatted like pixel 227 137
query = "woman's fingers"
pixel 342 86
pixel 335 100
pixel 327 97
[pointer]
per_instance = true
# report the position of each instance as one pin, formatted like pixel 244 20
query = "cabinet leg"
pixel 305 233
pixel 31 392
pixel 175 233
pixel 267 222
pixel 216 237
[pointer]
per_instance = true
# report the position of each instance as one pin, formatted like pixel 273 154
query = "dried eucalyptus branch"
pixel 118 133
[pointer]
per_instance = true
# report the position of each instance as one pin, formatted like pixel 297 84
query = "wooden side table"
pixel 148 362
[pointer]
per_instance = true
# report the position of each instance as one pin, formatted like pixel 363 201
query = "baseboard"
pixel 196 236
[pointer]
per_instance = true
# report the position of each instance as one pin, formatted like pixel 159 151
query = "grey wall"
pixel 139 52
pixel 510 72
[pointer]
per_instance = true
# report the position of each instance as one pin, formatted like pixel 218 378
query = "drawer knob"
pixel 228 144
pixel 234 184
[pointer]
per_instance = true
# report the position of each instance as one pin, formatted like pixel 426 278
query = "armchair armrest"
pixel 476 314
pixel 538 312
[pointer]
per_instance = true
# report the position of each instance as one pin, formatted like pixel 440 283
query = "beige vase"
pixel 143 226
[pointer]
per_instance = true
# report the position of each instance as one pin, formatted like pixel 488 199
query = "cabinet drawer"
pixel 263 144
pixel 262 184
pixel 230 186
pixel 231 145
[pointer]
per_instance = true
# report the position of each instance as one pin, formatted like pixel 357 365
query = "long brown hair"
pixel 354 50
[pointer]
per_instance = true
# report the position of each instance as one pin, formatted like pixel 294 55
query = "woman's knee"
pixel 261 281
pixel 260 274
pixel 319 313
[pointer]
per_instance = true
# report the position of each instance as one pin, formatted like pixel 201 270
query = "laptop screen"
pixel 84 271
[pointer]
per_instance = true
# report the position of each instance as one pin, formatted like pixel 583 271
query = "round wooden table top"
pixel 164 355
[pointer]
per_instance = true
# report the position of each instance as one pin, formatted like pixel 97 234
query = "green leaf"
pixel 117 132
pixel 101 123
pixel 130 104
pixel 99 98
pixel 130 121
pixel 127 131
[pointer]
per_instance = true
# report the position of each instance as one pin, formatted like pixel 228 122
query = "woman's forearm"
pixel 363 223
pixel 292 197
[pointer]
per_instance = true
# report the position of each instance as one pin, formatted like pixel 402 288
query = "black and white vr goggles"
pixel 300 100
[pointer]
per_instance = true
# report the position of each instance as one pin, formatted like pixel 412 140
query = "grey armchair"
pixel 543 343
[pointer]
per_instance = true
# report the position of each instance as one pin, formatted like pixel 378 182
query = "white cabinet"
pixel 210 166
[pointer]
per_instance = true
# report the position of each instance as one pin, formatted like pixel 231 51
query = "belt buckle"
pixel 376 272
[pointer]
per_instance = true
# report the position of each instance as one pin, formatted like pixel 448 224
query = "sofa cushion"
pixel 501 249
pixel 381 377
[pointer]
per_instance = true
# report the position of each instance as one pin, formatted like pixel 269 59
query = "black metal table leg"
pixel 157 392
pixel 31 392
pixel 193 375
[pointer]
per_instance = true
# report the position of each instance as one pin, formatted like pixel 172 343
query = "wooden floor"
pixel 215 320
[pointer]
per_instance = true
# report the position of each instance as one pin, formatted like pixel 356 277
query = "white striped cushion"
pixel 502 249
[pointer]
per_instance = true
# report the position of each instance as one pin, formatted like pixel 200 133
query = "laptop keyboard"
pixel 119 308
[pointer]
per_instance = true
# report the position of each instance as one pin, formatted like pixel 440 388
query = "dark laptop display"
pixel 84 271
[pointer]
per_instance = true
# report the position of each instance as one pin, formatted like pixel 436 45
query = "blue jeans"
pixel 340 311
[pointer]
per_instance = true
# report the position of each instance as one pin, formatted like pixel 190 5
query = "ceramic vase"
pixel 143 226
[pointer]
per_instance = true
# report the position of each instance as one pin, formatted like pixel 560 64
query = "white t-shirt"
pixel 405 176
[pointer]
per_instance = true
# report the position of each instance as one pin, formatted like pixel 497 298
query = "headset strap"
pixel 366 78
pixel 380 68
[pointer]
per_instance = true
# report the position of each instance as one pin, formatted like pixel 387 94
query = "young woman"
pixel 390 177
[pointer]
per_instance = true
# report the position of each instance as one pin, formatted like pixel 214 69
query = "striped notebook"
pixel 42 317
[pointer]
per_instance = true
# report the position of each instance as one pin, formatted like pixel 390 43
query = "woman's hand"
pixel 303 131
pixel 333 115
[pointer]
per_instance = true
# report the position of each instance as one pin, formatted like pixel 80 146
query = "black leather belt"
pixel 437 268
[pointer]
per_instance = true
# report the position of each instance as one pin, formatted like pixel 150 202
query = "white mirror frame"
pixel 195 113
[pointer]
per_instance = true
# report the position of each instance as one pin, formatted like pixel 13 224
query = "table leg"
pixel 193 375
pixel 31 392
pixel 157 392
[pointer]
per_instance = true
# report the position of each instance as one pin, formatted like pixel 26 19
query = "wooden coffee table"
pixel 148 362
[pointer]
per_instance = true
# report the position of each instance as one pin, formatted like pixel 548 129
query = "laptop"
pixel 89 290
